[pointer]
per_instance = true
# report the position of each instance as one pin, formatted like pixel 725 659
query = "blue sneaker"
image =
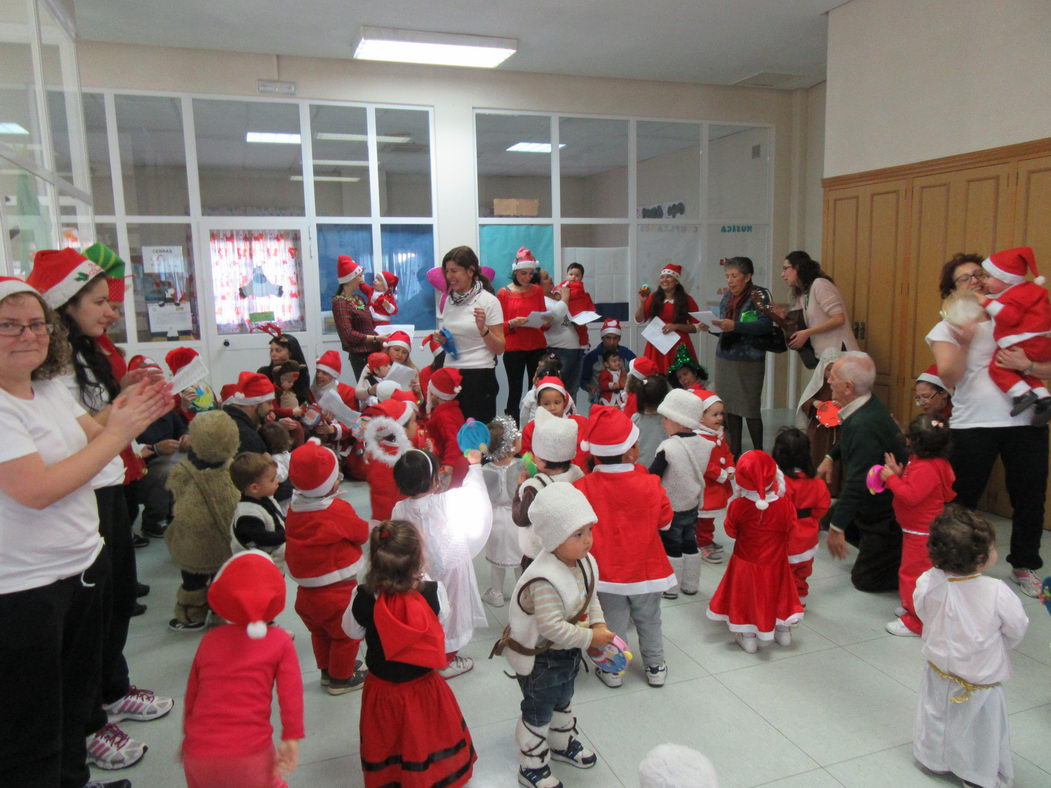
pixel 538 778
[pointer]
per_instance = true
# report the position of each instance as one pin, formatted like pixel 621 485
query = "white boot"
pixel 676 564
pixel 533 756
pixel 565 746
pixel 691 574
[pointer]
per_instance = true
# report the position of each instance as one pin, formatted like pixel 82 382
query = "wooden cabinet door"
pixel 1033 209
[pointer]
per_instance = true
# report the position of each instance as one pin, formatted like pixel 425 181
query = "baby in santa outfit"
pixel 381 297
pixel 323 540
pixel 717 476
pixel 611 381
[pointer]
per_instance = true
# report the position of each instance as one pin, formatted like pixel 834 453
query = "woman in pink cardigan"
pixel 827 325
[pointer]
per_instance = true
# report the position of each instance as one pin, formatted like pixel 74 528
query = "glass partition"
pixel 19 116
pixel 341 160
pixel 605 252
pixel 28 218
pixel 334 240
pixel 256 276
pixel 403 145
pixel 152 156
pixel 738 173
pixel 101 176
pixel 408 252
pixel 593 161
pixel 165 288
pixel 668 170
pixel 514 165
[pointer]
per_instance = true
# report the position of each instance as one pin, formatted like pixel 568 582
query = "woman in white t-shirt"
pixel 473 316
pixel 52 567
pixel 983 428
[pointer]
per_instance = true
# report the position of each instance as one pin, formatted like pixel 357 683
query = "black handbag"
pixel 774 342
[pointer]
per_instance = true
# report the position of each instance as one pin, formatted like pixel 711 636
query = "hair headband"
pixel 430 465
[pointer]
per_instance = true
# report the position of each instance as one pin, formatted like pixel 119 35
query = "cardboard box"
pixel 516 206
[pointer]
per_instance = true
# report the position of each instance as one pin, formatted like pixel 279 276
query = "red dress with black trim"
pixel 811 500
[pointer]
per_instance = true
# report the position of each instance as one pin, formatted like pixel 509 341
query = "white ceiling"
pixel 703 41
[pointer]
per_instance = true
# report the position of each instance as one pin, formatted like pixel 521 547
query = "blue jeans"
pixel 681 537
pixel 549 686
pixel 572 361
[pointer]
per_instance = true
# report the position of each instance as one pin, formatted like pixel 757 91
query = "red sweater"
pixel 521 305
pixel 921 493
pixel 442 425
pixel 323 545
pixel 632 508
pixel 383 491
pixel 226 710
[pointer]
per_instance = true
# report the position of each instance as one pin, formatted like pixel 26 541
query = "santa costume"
pixel 229 743
pixel 412 731
pixel 611 383
pixel 667 314
pixel 556 384
pixel 757 596
pixel 323 540
pixel 1021 318
pixel 383 304
pixel 385 441
pixel 811 500
pixel 579 301
pixel 717 486
pixel 445 419
pixel 639 368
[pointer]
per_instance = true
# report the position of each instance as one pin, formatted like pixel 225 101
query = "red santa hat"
pixel 330 363
pixel 709 398
pixel 9 285
pixel 391 280
pixel 524 259
pixel 387 419
pixel 930 375
pixel 555 384
pixel 445 384
pixel 398 339
pixel 347 269
pixel 252 389
pixel 609 433
pixel 610 326
pixel 758 478
pixel 641 367
pixel 377 360
pixel 431 343
pixel 313 469
pixel 226 393
pixel 143 362
pixel 408 397
pixel 1010 265
pixel 408 628
pixel 179 358
pixel 558 511
pixel 59 274
pixel 248 590
pixel 670 269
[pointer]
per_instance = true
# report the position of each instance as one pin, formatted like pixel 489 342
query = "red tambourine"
pixel 828 414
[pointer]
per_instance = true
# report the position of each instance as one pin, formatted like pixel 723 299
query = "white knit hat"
pixel 683 407
pixel 676 766
pixel 554 439
pixel 557 511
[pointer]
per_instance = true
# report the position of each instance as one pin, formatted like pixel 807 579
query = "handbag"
pixel 795 321
pixel 774 342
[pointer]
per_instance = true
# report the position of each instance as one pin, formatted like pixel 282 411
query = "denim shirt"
pixel 740 344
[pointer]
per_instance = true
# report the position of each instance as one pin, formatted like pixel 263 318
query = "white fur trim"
pixel 607 331
pixel 934 380
pixel 397 343
pixel 240 399
pixel 752 495
pixel 356 271
pixel 327 370
pixel 257 630
pixel 641 587
pixel 751 629
pixel 379 425
pixel 806 555
pixel 13 286
pixel 670 272
pixel 521 265
pixel 615 449
pixel 335 576
pixel 998 273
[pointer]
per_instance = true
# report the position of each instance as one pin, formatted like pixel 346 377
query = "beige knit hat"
pixel 554 439
pixel 683 407
pixel 557 511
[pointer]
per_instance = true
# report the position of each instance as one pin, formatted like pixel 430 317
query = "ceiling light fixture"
pixel 275 137
pixel 436 49
pixel 533 147
pixel 12 128
pixel 327 178
pixel 339 163
pixel 332 136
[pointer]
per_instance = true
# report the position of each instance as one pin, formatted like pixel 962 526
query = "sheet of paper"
pixel 385 330
pixel 401 374
pixel 652 334
pixel 169 318
pixel 334 404
pixel 582 318
pixel 708 318
pixel 535 320
pixel 194 372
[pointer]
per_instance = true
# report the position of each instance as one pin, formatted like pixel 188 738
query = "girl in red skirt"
pixel 757 596
pixel 412 732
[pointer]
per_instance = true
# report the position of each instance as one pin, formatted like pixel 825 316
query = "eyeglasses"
pixel 37 327
pixel 923 399
pixel 966 278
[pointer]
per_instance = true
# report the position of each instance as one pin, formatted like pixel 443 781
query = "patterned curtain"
pixel 256 272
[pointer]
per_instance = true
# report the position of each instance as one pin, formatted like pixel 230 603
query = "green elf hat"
pixel 110 262
pixel 683 358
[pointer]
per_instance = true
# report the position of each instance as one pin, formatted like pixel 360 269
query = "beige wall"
pixel 910 80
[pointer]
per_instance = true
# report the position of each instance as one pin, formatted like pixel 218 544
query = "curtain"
pixel 256 274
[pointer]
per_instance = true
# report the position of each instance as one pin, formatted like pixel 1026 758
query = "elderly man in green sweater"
pixel 858 517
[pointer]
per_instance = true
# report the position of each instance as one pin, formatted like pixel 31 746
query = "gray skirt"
pixel 740 386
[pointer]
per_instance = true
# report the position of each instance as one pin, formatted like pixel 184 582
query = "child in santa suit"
pixel 579 299
pixel 810 498
pixel 376 369
pixel 323 540
pixel 389 430
pixel 381 297
pixel 551 395
pixel 1021 313
pixel 455 525
pixel 717 476
pixel 757 596
pixel 631 508
pixel 412 731
pixel 554 613
pixel 639 369
pixel 501 473
pixel 227 743
pixel 399 346
pixel 444 420
pixel 611 380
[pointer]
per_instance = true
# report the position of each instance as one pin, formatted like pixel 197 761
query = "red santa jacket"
pixel 581 458
pixel 382 306
pixel 631 404
pixel 1020 312
pixel 811 500
pixel 383 491
pixel 611 386
pixel 442 425
pixel 323 539
pixel 921 493
pixel 717 487
pixel 579 301
pixel 632 508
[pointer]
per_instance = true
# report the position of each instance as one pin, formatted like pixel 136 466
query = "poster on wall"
pixel 168 318
pixel 163 260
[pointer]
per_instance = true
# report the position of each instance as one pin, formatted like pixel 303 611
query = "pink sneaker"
pixel 111 748
pixel 140 705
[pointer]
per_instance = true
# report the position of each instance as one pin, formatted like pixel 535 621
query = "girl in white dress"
pixel 970 622
pixel 502 473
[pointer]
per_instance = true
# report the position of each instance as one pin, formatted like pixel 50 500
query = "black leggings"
pixel 733 432
pixel 515 363
pixel 477 396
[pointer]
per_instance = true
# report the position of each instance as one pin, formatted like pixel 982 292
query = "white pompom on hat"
pixel 683 407
pixel 676 766
pixel 557 512
pixel 313 469
pixel 1011 265
pixel 554 439
pixel 248 590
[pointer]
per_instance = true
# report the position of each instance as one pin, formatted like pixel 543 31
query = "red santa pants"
pixel 800 572
pixel 705 531
pixel 322 611
pixel 246 771
pixel 914 562
pixel 1036 349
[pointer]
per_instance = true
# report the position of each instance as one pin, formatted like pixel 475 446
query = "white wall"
pixel 910 80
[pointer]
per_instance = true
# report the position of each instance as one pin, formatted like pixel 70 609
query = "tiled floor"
pixel 833 709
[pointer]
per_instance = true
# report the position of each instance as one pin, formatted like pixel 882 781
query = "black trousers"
pixel 155 498
pixel 357 363
pixel 515 363
pixel 879 553
pixel 478 394
pixel 51 657
pixel 1023 451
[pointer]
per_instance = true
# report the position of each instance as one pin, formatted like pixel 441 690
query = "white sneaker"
pixel 899 611
pixel 671 593
pixel 111 748
pixel 611 680
pixel 141 705
pixel 783 635
pixel 493 598
pixel 748 642
pixel 457 667
pixel 656 675
pixel 897 627
pixel 1029 582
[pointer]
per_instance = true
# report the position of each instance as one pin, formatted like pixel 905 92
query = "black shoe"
pixel 139 541
pixel 175 625
pixel 1023 402
pixel 138 610
pixel 155 530
pixel 141 589
pixel 1042 412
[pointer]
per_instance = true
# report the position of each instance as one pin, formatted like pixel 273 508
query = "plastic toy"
pixel 1045 593
pixel 450 345
pixel 828 414
pixel 873 480
pixel 473 435
pixel 311 416
pixel 612 658
pixel 529 464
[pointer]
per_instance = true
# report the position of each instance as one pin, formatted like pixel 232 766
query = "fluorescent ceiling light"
pixel 437 49
pixel 332 136
pixel 272 137
pixel 339 163
pixel 327 178
pixel 12 128
pixel 533 147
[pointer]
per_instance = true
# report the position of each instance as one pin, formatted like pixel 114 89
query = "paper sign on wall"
pixel 164 260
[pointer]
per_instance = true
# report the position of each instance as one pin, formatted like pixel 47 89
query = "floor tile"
pixel 894 766
pixel 817 778
pixel 1030 731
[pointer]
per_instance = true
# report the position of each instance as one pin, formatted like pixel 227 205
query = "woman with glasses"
pixel 931 395
pixel 827 326
pixel 983 428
